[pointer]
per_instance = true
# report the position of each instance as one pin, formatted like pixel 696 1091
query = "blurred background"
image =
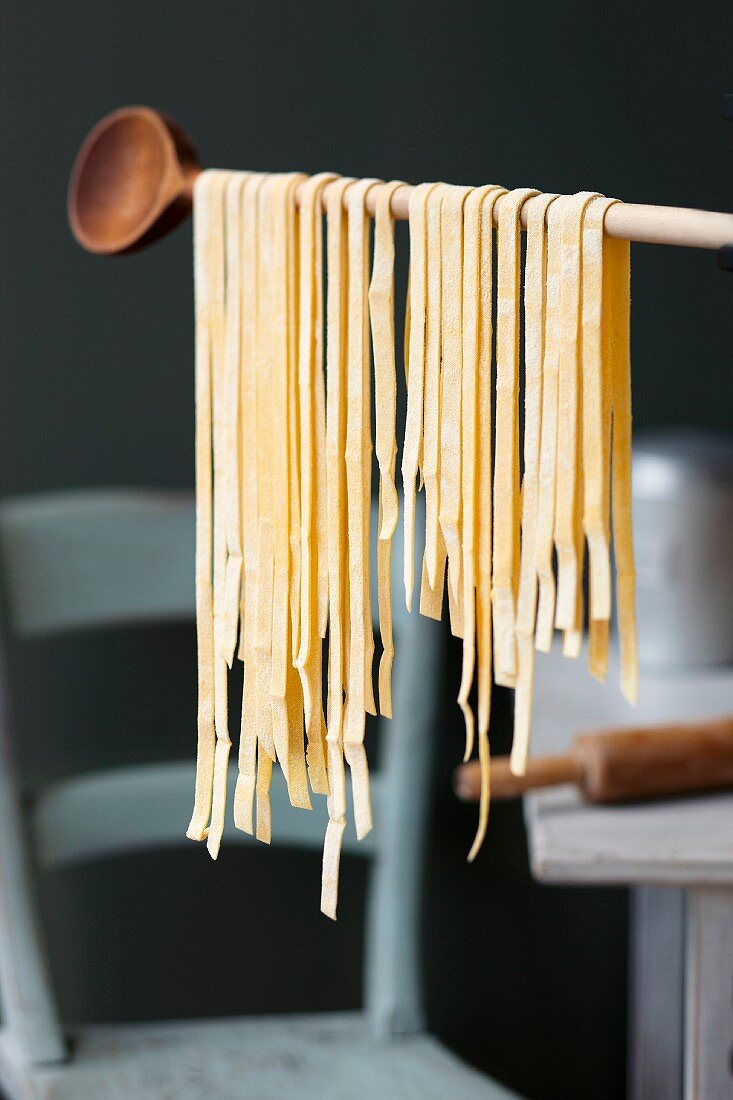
pixel 96 389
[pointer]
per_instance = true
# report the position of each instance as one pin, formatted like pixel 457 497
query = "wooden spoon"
pixel 132 181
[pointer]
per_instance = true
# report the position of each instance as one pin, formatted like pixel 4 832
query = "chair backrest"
pixel 96 558
pixel 72 561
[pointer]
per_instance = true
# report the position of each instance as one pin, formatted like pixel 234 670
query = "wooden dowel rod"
pixel 672 225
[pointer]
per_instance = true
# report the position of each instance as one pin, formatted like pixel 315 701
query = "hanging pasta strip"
pixel 268 202
pixel 449 496
pixel 616 266
pixel 450 508
pixel 220 461
pixel 484 532
pixel 568 501
pixel 318 753
pixel 358 486
pixel 431 590
pixel 505 581
pixel 230 413
pixel 247 764
pixel 572 640
pixel 415 364
pixel 286 727
pixel 471 319
pixel 535 270
pixel 312 439
pixel 263 831
pixel 283 256
pixel 336 351
pixel 248 313
pixel 381 312
pixel 319 408
pixel 548 433
pixel 208 191
pixel 270 196
pixel 297 774
pixel 434 543
pixel 225 456
pixel 596 436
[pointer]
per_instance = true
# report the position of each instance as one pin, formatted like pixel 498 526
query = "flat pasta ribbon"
pixel 247 762
pixel 359 697
pixel 337 543
pixel 434 545
pixel 616 269
pixel 381 312
pixel 313 570
pixel 473 323
pixel 415 366
pixel 545 525
pixel 569 445
pixel 450 509
pixel 505 581
pixel 596 360
pixel 535 273
pixel 209 302
pixel 484 510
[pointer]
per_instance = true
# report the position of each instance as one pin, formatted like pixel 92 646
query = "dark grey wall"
pixel 96 389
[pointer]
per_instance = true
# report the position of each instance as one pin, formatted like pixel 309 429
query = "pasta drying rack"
pixel 133 178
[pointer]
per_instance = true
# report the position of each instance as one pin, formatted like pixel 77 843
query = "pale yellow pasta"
pixel 269 201
pixel 220 457
pixel 230 417
pixel 505 582
pixel 283 245
pixel 434 543
pixel 535 272
pixel 226 460
pixel 381 313
pixel 548 433
pixel 596 413
pixel 217 311
pixel 617 268
pixel 415 366
pixel 484 518
pixel 451 319
pixel 284 467
pixel 455 603
pixel 297 774
pixel 471 320
pixel 358 490
pixel 598 639
pixel 567 499
pixel 319 409
pixel 572 640
pixel 313 575
pixel 293 429
pixel 247 764
pixel 263 831
pixel 597 434
pixel 208 246
pixel 336 335
pixel 431 599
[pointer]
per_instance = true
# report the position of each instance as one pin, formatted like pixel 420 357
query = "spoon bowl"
pixel 132 181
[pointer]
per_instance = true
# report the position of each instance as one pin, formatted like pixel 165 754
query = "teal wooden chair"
pixel 74 561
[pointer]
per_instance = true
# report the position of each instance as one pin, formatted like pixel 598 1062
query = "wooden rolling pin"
pixel 620 765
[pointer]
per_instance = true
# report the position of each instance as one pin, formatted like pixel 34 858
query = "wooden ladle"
pixel 132 181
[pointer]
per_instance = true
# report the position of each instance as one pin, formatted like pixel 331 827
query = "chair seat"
pixel 315 1057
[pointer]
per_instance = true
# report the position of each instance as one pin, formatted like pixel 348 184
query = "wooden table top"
pixel 676 841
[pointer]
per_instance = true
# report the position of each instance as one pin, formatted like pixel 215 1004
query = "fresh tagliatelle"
pixel 521 468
